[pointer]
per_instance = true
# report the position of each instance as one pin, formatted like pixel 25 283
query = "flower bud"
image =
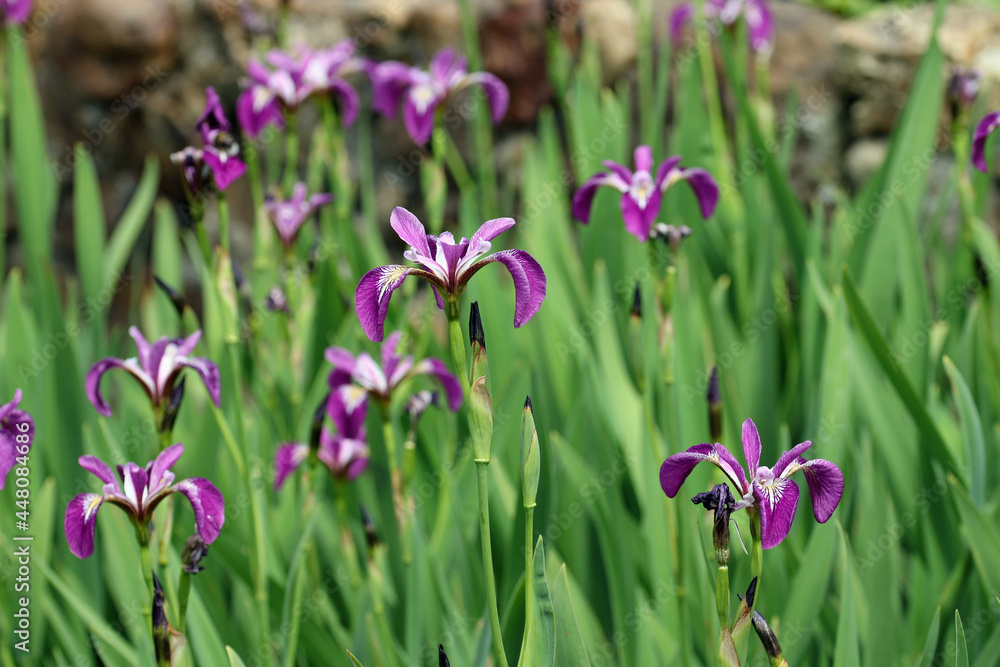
pixel 316 427
pixel 636 347
pixel 176 298
pixel 173 407
pixel 442 657
pixel 530 457
pixel 480 403
pixel 161 629
pixel 741 626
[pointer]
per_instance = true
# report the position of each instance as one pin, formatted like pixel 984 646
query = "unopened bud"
pixel 530 456
pixel 741 626
pixel 720 499
pixel 480 403
pixel 714 405
pixel 276 301
pixel 636 344
pixel 173 407
pixel 161 629
pixel 371 535
pixel 195 550
pixel 442 657
pixel 316 427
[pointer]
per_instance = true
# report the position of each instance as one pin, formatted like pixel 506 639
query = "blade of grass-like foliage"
pixel 876 343
pixel 961 648
pixel 972 433
pixel 927 655
pixel 982 537
pixel 570 647
pixel 89 224
pixel 98 626
pixel 129 226
pixel 540 644
pixel 809 591
pixel 846 652
pixel 354 661
pixel 234 658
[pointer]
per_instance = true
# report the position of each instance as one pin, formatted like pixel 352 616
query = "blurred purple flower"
pixel 288 215
pixel 423 92
pixel 381 381
pixel 15 12
pixel 769 490
pixel 194 171
pixel 964 86
pixel 760 21
pixel 17 434
pixel 344 453
pixel 986 126
pixel 140 491
pixel 447 265
pixel 642 192
pixel 221 152
pixel 157 367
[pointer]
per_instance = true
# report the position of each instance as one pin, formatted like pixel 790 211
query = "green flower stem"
pixel 457 343
pixel 529 565
pixel 457 346
pixel 224 221
pixel 166 529
pixel 722 596
pixel 396 479
pixel 142 536
pixel 291 151
pixel 3 148
pixel 262 236
pixel 435 182
pixel 756 551
pixel 198 219
pixel 482 476
pixel 711 91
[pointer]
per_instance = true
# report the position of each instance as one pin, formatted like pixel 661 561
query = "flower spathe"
pixel 157 367
pixel 288 215
pixel 421 92
pixel 642 191
pixel 447 265
pixel 138 493
pixel 984 129
pixel 770 490
pixel 221 152
pixel 15 438
pixel 381 380
pixel 345 453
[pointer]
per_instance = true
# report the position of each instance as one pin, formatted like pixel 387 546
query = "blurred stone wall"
pixel 128 78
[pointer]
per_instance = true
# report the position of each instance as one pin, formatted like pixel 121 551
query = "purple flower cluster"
pixel 760 21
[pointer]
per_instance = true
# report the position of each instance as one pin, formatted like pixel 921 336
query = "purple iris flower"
pixel 963 86
pixel 381 381
pixel 157 367
pixel 345 453
pixel 990 122
pixel 194 171
pixel 288 215
pixel 288 80
pixel 770 489
pixel 760 21
pixel 140 491
pixel 447 265
pixel 422 92
pixel 17 433
pixel 221 152
pixel 15 12
pixel 642 192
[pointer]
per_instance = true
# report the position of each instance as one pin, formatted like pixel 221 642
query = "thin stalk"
pixel 165 530
pixel 756 551
pixel 435 182
pixel 457 345
pixel 396 480
pixel 291 151
pixel 3 149
pixel 197 212
pixel 722 596
pixel 223 221
pixel 482 476
pixel 529 565
pixel 142 536
pixel 714 106
pixel 183 591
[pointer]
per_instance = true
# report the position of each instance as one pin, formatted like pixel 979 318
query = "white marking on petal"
pixel 390 275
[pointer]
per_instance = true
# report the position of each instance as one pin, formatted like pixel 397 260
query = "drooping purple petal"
pixel 826 486
pixel 418 115
pixel 256 108
pixel 347 408
pixel 777 502
pixel 16 12
pixel 369 375
pixel 583 199
pixel 208 504
pixel 287 459
pixel 186 345
pixel 371 298
pixel 639 220
pixel 345 457
pixel 349 103
pixel 93 383
pixel 410 229
pixel 390 80
pixel 390 357
pixel 15 441
pixel 677 467
pixel 98 468
pixel 751 445
pixel 529 281
pixel 788 458
pixel 760 25
pixel 452 387
pixel 497 94
pixel 447 64
pixel 623 172
pixel 666 172
pixel 225 168
pixel 213 117
pixel 986 126
pixel 706 190
pixel 210 375
pixel 81 516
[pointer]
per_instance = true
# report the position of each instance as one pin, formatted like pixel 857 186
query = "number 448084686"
pixel 23 444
